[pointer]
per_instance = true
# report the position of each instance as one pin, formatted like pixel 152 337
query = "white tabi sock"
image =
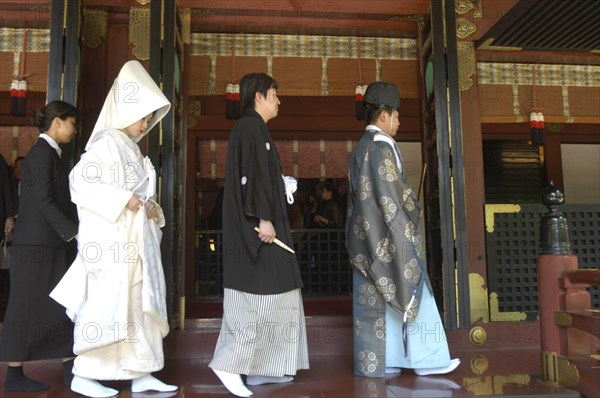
pixel 233 382
pixel 439 371
pixel 91 388
pixel 150 383
pixel 258 380
pixel 390 370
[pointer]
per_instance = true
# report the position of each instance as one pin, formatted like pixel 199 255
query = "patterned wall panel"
pixel 303 46
pixel 587 100
pixel 16 141
pixel 506 95
pixel 329 65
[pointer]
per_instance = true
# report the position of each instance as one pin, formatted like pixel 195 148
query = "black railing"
pixel 513 246
pixel 321 254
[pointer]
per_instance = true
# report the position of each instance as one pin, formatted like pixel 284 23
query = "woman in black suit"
pixel 44 245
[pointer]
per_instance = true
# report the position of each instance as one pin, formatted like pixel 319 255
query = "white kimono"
pixel 115 290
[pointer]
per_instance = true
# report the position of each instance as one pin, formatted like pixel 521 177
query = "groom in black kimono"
pixel 263 334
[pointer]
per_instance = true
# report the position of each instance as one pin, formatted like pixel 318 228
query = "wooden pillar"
pixel 554 260
pixel 459 206
pixel 165 149
pixel 550 269
pixel 443 138
pixel 553 160
pixel 63 63
pixel 474 182
pixel 577 298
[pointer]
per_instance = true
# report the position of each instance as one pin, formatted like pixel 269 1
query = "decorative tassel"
pixel 22 98
pixel 229 101
pixel 232 102
pixel 18 87
pixel 536 123
pixel 237 106
pixel 233 108
pixel 536 119
pixel 540 130
pixel 14 95
pixel 359 94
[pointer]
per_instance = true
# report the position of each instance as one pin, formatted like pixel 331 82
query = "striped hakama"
pixel 262 335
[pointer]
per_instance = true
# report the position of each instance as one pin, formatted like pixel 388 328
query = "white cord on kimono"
pixel 291 185
pixel 408 308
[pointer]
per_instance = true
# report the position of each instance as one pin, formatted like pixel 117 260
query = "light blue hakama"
pixel 427 345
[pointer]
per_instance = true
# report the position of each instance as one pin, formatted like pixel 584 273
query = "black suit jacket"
pixel 46 216
pixel 8 200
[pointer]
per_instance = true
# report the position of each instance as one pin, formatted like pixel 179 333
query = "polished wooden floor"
pixel 508 366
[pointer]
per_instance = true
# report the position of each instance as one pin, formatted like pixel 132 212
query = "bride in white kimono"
pixel 115 291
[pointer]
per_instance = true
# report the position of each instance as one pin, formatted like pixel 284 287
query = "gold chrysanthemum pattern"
pixel 379 328
pixel 365 188
pixel 357 326
pixel 409 230
pixel 367 361
pixel 360 262
pixel 387 288
pixel 411 271
pixel 385 250
pixel 387 170
pixel 413 311
pixel 367 294
pixel 361 227
pixel 407 198
pixel 419 247
pixel 387 208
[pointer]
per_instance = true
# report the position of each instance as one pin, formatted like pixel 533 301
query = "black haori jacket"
pixel 254 190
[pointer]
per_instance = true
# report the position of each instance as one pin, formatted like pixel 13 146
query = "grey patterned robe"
pixel 383 238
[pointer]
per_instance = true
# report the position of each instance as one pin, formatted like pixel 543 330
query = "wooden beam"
pixel 22 4
pixel 306 118
pixel 311 7
pixel 397 18
pixel 302 25
pixel 537 57
pixel 306 128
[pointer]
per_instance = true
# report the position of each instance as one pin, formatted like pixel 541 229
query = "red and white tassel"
pixel 540 138
pixel 536 123
pixel 22 98
pixel 232 101
pixel 359 94
pixel 14 96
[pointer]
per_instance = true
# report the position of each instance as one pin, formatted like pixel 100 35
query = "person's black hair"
pixel 42 118
pixel 328 185
pixel 254 83
pixel 372 113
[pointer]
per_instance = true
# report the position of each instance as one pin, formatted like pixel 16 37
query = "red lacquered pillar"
pixel 554 260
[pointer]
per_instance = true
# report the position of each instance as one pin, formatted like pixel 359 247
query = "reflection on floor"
pixel 495 371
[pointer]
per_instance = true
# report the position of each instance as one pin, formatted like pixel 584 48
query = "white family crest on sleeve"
pixel 268 146
pixel 244 180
